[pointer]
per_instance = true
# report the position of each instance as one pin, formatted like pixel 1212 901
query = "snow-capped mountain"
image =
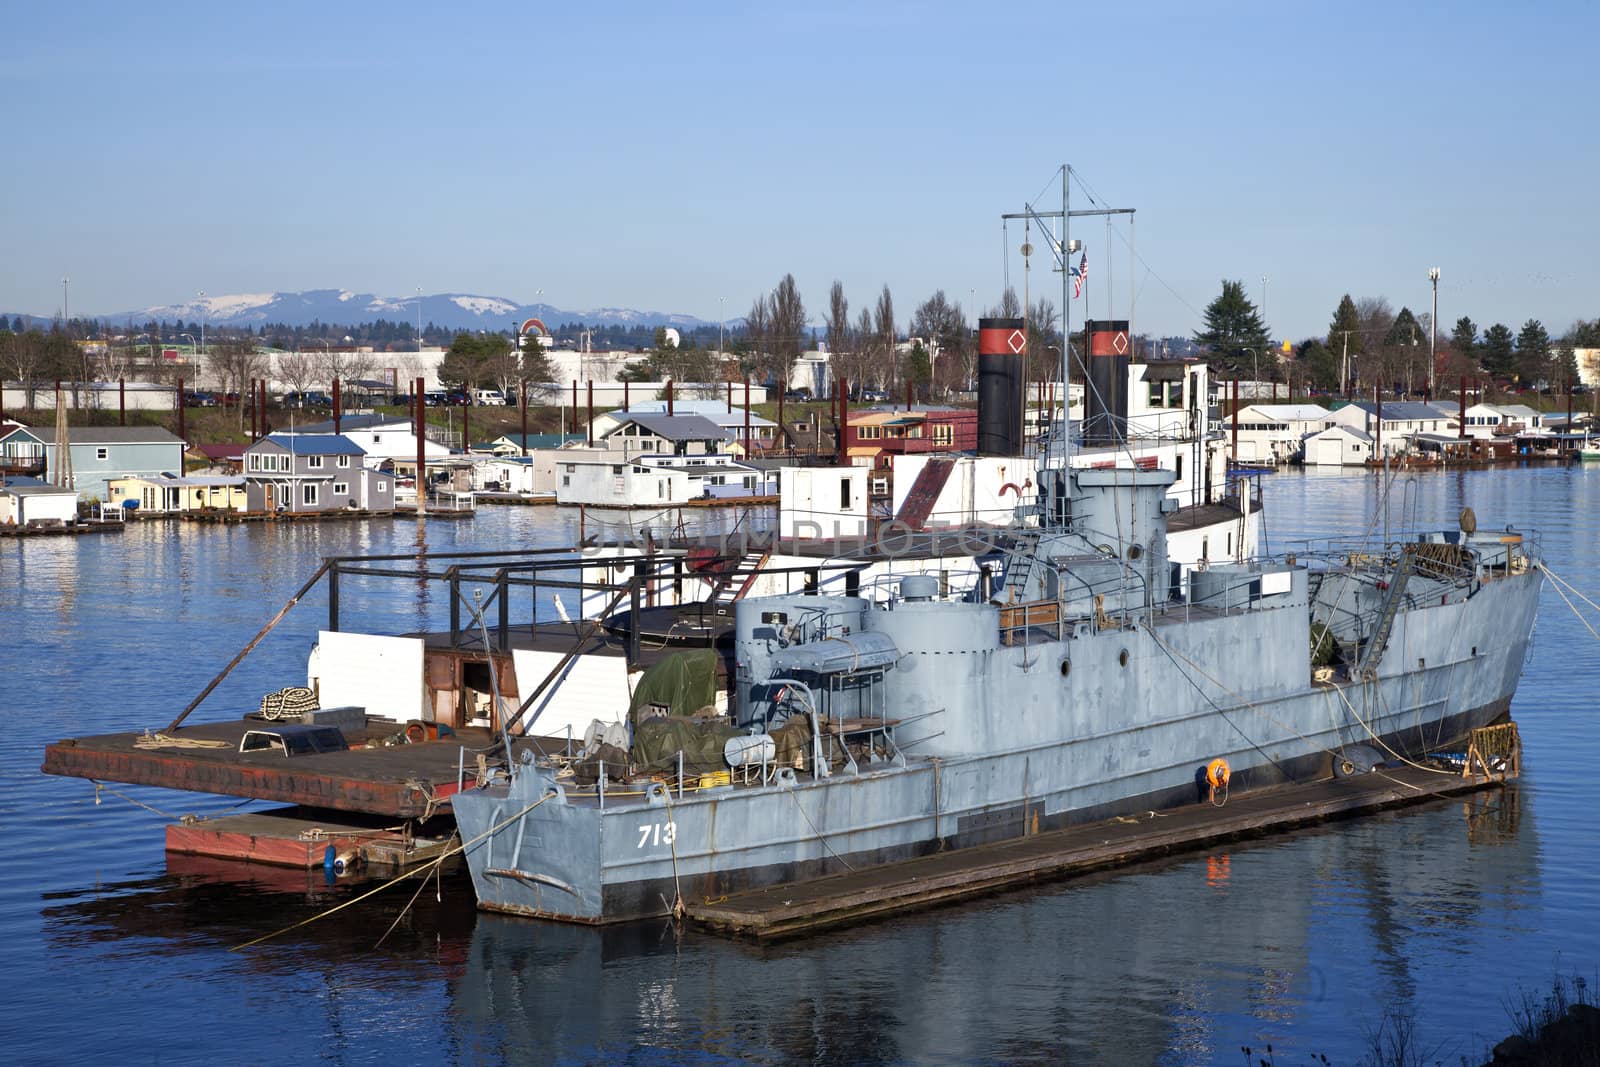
pixel 452 311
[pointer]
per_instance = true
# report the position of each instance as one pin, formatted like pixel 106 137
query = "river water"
pixel 1441 914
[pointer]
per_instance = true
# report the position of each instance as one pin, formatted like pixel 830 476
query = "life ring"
pixel 1217 775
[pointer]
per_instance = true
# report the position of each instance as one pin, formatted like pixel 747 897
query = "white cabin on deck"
pixel 824 502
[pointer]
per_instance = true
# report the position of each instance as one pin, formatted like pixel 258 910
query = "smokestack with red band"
pixel 1002 377
pixel 1105 411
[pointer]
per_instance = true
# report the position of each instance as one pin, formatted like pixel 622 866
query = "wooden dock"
pixel 798 908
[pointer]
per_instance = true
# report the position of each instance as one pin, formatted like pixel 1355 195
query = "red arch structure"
pixel 533 324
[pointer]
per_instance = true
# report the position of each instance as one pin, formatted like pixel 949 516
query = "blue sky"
pixel 683 159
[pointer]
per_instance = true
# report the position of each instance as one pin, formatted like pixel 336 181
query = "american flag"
pixel 1079 275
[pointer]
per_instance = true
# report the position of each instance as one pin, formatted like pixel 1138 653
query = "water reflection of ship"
pixel 1122 967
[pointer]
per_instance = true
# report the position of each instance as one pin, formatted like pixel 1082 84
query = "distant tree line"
pixel 1370 346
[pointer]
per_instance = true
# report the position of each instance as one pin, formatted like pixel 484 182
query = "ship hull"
pixel 569 859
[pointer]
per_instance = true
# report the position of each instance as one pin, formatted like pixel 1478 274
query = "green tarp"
pixel 657 742
pixel 684 681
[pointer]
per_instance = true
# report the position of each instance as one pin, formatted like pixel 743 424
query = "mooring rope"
pixel 1556 583
pixel 795 794
pixel 423 884
pixel 152 739
pixel 423 870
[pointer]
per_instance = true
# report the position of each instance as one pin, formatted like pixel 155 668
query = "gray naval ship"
pixel 1078 681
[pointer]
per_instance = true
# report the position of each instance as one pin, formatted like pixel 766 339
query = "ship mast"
pixel 1062 249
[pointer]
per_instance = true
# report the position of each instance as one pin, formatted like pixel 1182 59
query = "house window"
pixel 101 453
pixel 314 462
pixel 870 433
pixel 341 488
pixel 943 433
pixel 308 493
pixel 344 461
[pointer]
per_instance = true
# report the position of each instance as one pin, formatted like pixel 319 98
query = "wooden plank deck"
pixel 798 908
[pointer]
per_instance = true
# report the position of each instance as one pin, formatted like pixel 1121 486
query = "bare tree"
pixel 297 370
pixel 855 362
pixel 1377 317
pixel 234 363
pixel 883 326
pixel 788 328
pixel 22 358
pixel 838 319
pixel 344 365
pixel 757 331
pixel 944 326
pixel 1043 335
pixel 1008 308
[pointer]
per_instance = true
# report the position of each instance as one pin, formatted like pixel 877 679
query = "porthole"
pixel 1135 551
pixel 1122 658
pixel 1066 666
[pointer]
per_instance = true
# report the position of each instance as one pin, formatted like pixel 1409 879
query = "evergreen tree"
pixel 1346 324
pixel 1533 353
pixel 1566 365
pixel 1464 338
pixel 1318 364
pixel 1497 355
pixel 918 368
pixel 1234 334
pixel 536 366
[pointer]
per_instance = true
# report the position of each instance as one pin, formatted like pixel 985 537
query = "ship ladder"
pixel 1379 640
pixel 1016 587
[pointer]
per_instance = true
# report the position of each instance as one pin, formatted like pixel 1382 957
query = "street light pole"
pixel 202 324
pixel 1433 332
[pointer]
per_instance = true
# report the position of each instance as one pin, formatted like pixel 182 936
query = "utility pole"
pixel 1344 365
pixel 1433 332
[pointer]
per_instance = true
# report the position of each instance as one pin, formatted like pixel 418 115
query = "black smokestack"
pixel 1002 365
pixel 1105 401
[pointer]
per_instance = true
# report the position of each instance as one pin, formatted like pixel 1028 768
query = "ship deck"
pixel 796 909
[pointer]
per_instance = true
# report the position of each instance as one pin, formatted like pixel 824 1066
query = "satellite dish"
pixel 1469 521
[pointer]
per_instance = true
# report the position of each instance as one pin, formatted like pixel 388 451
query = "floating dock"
pixel 294 837
pixel 400 781
pixel 798 908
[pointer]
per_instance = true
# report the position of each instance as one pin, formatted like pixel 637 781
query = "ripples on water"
pixel 1302 941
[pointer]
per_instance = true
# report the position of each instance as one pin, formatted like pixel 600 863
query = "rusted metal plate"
pixel 288 783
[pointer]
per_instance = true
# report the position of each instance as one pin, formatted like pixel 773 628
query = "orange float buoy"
pixel 1217 775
